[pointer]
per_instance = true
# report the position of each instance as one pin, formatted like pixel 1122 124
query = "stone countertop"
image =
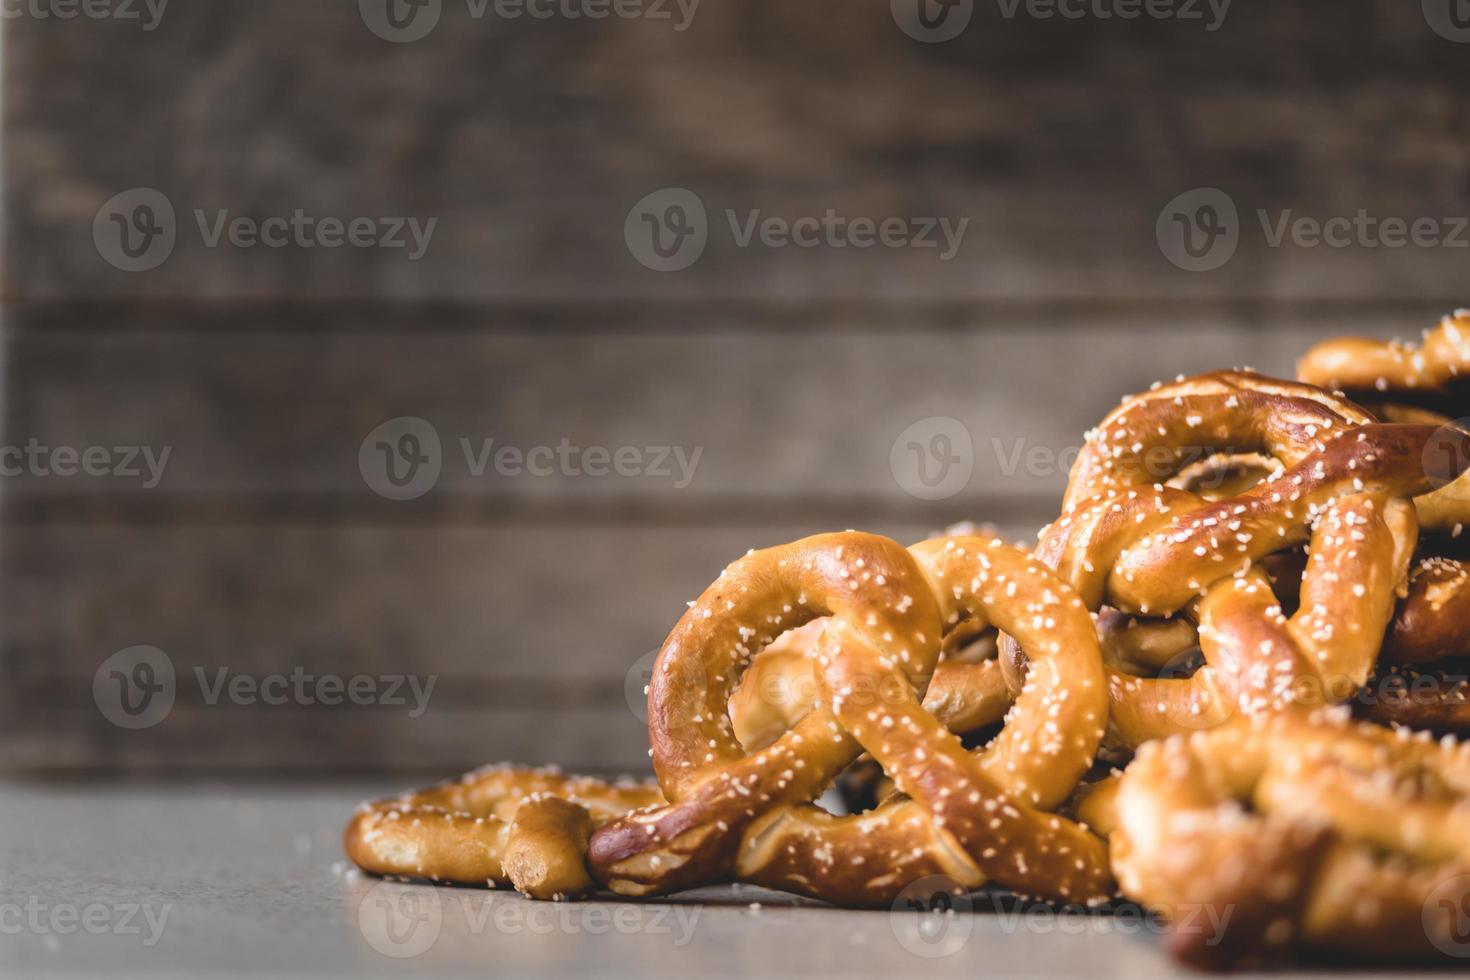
pixel 247 878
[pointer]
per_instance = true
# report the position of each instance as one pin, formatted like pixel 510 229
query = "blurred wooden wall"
pixel 529 320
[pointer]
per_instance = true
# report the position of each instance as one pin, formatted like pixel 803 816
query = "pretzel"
pixel 1436 700
pixel 967 694
pixel 1414 686
pixel 1426 654
pixel 1312 835
pixel 1433 620
pixel 1393 369
pixel 1237 426
pixel 1427 383
pixel 1407 382
pixel 528 827
pixel 1152 550
pixel 1158 435
pixel 781 686
pixel 972 817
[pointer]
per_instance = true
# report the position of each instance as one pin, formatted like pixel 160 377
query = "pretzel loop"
pixel 971 816
pixel 511 824
pixel 1352 833
pixel 865 581
pixel 1160 551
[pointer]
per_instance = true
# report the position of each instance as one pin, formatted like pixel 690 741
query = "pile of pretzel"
pixel 1256 599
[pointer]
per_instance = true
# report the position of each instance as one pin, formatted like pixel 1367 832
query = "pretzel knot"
pixel 970 816
pixel 780 686
pixel 500 823
pixel 1147 549
pixel 1427 383
pixel 1388 368
pixel 1424 679
pixel 1299 832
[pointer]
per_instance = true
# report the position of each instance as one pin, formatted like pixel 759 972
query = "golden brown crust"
pixel 470 831
pixel 1158 435
pixel 546 849
pixel 1426 383
pixel 1255 658
pixel 1392 367
pixel 1435 699
pixel 973 816
pixel 1433 620
pixel 781 686
pixel 1151 550
pixel 1316 835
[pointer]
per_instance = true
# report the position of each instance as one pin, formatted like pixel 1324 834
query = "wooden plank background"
pixel 792 371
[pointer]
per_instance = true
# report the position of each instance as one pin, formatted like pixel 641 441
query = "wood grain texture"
pixel 263 550
pixel 523 637
pixel 793 371
pixel 809 412
pixel 1060 140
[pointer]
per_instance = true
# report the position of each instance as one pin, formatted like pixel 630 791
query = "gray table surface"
pixel 244 879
